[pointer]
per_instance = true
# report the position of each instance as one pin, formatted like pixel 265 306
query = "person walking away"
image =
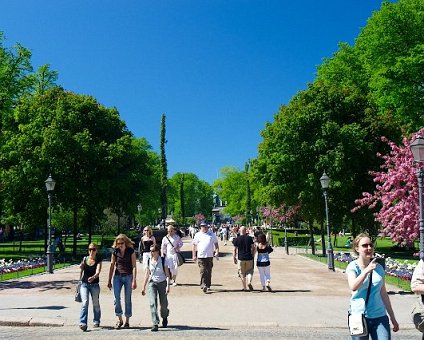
pixel 91 267
pixel 263 264
pixel 204 247
pixel 157 276
pixel 244 253
pixel 123 270
pixel 146 241
pixel 417 283
pixel 378 306
pixel 171 244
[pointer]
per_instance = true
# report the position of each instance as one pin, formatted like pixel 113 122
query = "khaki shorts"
pixel 245 267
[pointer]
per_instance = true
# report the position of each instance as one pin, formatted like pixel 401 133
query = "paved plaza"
pixel 305 296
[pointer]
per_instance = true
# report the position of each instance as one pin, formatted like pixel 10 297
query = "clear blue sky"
pixel 218 69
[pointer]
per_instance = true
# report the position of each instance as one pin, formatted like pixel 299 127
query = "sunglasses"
pixel 92 249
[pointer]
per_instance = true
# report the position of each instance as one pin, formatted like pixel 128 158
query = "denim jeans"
pixel 378 329
pixel 94 290
pixel 118 282
pixel 158 289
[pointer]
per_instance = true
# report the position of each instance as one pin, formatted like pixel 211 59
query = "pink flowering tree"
pixel 283 214
pixel 396 194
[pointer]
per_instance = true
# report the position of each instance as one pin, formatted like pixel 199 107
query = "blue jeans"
pixel 94 290
pixel 118 282
pixel 378 329
pixel 158 289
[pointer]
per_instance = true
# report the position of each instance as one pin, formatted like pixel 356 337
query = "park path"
pixel 304 291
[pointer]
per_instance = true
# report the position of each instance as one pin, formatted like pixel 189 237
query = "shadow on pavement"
pixel 42 285
pixel 42 307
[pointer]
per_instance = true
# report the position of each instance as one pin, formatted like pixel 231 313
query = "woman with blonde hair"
pixel 123 270
pixel 171 245
pixel 369 295
pixel 91 266
pixel 146 241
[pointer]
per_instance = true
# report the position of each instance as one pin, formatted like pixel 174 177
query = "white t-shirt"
pixel 205 244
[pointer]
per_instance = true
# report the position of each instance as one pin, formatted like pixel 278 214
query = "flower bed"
pixel 17 266
pixel 400 269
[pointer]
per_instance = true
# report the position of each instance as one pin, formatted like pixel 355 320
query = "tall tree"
pixel 248 194
pixel 164 169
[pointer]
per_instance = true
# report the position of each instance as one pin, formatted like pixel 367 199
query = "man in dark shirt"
pixel 244 253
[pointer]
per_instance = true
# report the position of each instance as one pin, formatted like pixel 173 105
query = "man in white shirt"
pixel 205 247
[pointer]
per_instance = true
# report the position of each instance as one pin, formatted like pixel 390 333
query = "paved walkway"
pixel 305 292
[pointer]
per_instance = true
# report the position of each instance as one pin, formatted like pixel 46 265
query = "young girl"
pixel 262 262
pixel 378 305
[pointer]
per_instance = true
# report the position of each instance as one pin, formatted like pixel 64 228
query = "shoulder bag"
pixel 357 322
pixel 180 257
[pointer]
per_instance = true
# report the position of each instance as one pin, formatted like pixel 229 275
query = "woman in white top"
pixel 171 245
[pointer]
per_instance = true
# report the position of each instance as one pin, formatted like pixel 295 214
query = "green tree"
pixel 164 169
pixel 196 198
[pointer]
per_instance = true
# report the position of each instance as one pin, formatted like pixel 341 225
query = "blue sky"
pixel 218 69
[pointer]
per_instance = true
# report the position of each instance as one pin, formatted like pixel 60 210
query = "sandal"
pixel 127 325
pixel 119 324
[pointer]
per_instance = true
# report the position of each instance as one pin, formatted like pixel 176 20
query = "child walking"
pixel 262 262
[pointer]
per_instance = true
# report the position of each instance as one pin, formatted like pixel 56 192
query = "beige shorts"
pixel 245 267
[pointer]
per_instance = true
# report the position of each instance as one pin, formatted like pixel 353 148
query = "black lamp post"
pixel 50 183
pixel 417 148
pixel 325 183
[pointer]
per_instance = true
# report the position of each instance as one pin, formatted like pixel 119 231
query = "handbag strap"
pixel 169 241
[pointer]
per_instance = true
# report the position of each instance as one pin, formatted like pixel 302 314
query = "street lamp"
pixel 417 148
pixel 50 183
pixel 325 183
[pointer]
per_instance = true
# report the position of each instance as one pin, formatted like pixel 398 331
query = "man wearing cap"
pixel 205 246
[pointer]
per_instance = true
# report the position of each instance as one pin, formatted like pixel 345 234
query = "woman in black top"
pixel 90 267
pixel 124 272
pixel 146 241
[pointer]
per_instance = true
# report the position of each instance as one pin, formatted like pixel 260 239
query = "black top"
pixel 145 246
pixel 89 271
pixel 123 263
pixel 244 245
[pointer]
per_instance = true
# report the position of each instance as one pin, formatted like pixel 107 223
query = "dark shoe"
pixel 205 289
pixel 165 322
pixel 127 325
pixel 119 324
pixel 250 287
pixel 269 288
pixel 83 327
pixel 96 325
pixel 155 328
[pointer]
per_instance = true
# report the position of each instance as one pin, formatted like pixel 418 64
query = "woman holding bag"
pixel 171 245
pixel 370 298
pixel 90 266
